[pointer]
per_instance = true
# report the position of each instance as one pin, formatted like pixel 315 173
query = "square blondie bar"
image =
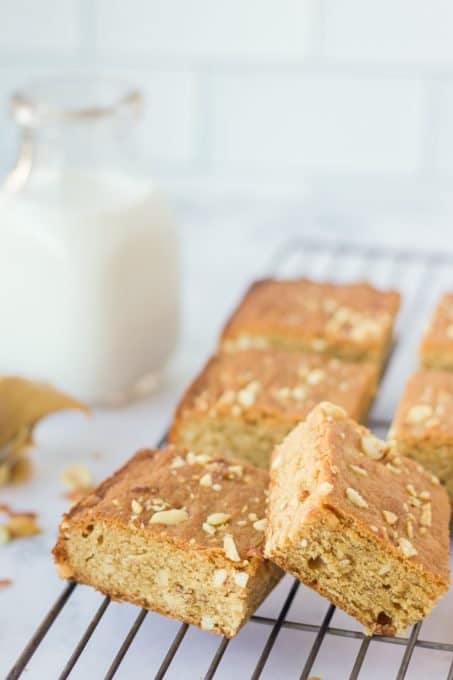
pixel 349 321
pixel 423 425
pixel 177 533
pixel 243 404
pixel 365 528
pixel 436 347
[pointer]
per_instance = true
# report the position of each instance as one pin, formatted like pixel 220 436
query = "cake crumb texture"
pixel 175 532
pixel 244 403
pixel 364 527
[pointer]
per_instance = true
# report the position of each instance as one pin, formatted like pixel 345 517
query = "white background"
pixel 317 98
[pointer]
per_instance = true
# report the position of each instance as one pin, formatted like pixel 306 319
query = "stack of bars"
pixel 200 531
pixel 288 346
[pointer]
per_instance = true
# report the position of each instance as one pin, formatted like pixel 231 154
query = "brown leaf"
pixel 15 469
pixel 22 404
pixel 5 582
pixel 21 469
pixel 5 473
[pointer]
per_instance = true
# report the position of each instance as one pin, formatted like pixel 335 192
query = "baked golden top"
pixel 197 501
pixel 358 477
pixel 425 411
pixel 438 335
pixel 354 313
pixel 272 382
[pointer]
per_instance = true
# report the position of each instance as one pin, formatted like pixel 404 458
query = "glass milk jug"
pixel 89 266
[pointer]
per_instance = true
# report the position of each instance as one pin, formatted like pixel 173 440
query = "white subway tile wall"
pixel 27 26
pixel 264 88
pixel 443 140
pixel 171 116
pixel 390 32
pixel 321 123
pixel 200 29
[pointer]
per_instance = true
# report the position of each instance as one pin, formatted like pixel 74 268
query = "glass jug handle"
pixel 18 176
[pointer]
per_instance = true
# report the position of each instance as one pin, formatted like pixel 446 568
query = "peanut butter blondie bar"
pixel 177 533
pixel 436 348
pixel 423 425
pixel 243 404
pixel 349 321
pixel 365 528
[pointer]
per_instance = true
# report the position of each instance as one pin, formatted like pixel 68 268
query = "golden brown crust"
pixel 436 347
pixel 272 383
pixel 363 527
pixel 330 316
pixel 175 532
pixel 418 528
pixel 161 480
pixel 425 410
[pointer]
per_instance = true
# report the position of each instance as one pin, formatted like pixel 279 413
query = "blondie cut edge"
pixel 422 428
pixel 436 347
pixel 366 529
pixel 243 404
pixel 176 533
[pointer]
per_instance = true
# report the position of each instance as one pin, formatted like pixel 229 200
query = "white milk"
pixel 89 283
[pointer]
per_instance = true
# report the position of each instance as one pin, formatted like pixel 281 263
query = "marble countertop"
pixel 226 251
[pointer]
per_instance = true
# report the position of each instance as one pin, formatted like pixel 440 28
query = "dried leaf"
pixel 15 470
pixel 21 469
pixel 5 473
pixel 22 404
pixel 5 582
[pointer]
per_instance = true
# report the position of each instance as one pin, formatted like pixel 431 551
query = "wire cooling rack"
pixel 420 277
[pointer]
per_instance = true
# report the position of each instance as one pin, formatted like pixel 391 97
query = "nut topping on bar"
pixel 243 404
pixel 349 321
pixel 378 544
pixel 160 535
pixel 423 425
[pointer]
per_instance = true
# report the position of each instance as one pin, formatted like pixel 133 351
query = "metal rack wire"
pixel 420 277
